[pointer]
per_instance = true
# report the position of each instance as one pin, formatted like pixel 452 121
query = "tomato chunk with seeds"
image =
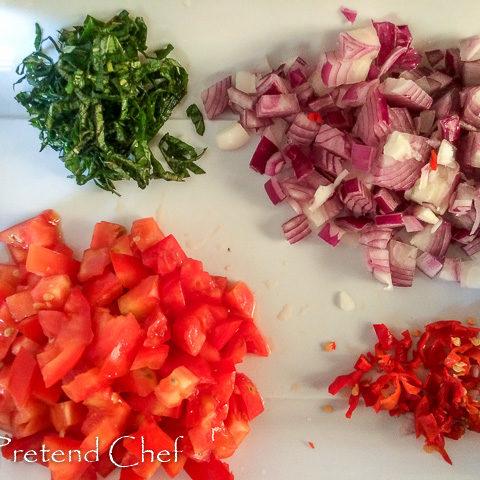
pixel 180 384
pixel 45 262
pixel 52 292
pixel 141 299
pixel 105 234
pixel 145 233
pixel 21 305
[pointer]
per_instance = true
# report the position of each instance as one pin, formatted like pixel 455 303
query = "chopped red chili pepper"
pixel 311 445
pixel 433 161
pixel 315 117
pixel 438 381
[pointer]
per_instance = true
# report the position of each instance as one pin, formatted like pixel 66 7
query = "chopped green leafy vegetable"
pixel 104 99
pixel 194 113
pixel 180 157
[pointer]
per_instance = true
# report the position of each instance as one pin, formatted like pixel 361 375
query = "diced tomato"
pixel 180 384
pixel 151 357
pixel 60 356
pixel 165 256
pixel 84 385
pixel 235 350
pixel 154 439
pixel 174 468
pixel 224 373
pixel 106 419
pixel 223 332
pixel 128 269
pixel 8 330
pixel 67 414
pixel 151 405
pixel 21 305
pixel 158 329
pixel 52 292
pixel 94 263
pixel 256 342
pixel 60 247
pixel 16 449
pixel 124 337
pixel 21 376
pixel 45 262
pixel 197 365
pixel 30 418
pixel 41 230
pixel 142 299
pixel 51 322
pixel 50 395
pixel 61 467
pixel 224 443
pixel 123 245
pixel 105 234
pixel 102 290
pixel 212 470
pixel 25 343
pixel 237 421
pixel 18 254
pixel 240 299
pixel 209 352
pixel 9 279
pixel 145 233
pixel 141 381
pixel 31 328
pixel 188 333
pixel 252 401
pixel 172 297
pixel 195 282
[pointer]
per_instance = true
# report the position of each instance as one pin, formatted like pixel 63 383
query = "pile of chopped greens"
pixel 101 102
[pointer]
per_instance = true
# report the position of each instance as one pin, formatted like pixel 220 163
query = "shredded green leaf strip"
pixel 103 100
pixel 194 113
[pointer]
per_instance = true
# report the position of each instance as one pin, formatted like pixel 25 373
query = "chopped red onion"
pixel 448 104
pixel 412 224
pixel 339 71
pixel 334 141
pixel 303 131
pixel 249 119
pixel 396 175
pixel 387 201
pixel 280 105
pixel 378 263
pixel 215 98
pixel 302 165
pixel 275 191
pixel 394 220
pixel 357 197
pixel 451 270
pixel 375 236
pixel 274 164
pixel 265 149
pixel 350 15
pixel 434 57
pixel 326 161
pixel 372 120
pixel 463 236
pixel 296 228
pixel 450 128
pixel 392 59
pixel 405 93
pixel 242 99
pixel 473 247
pixel 352 224
pixel 403 259
pixel 434 239
pixel 470 49
pixel 453 63
pixel 355 95
pixel 323 103
pixel 272 84
pixel 429 265
pixel 331 233
pixel 425 122
pixel 400 120
pixel 362 156
pixel 342 119
pixel 297 73
pixel 357 44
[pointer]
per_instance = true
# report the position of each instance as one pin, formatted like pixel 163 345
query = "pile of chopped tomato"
pixel 438 381
pixel 136 339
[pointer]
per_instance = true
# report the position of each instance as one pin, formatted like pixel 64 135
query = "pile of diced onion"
pixel 376 139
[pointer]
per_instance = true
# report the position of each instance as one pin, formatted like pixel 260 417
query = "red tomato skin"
pixel 172 297
pixel 94 263
pixel 256 342
pixel 30 327
pixel 145 233
pixel 84 385
pixel 105 234
pixel 21 376
pixel 158 329
pixel 141 381
pixel 45 262
pixel 165 256
pixel 51 322
pixel 21 305
pixel 67 414
pixel 173 468
pixel 52 292
pixel 123 245
pixel 223 332
pixel 102 290
pixel 128 269
pixel 179 385
pixel 235 350
pixel 241 300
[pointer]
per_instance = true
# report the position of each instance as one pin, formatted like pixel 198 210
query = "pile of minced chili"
pixel 438 381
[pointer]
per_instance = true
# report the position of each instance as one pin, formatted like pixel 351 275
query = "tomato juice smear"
pixel 136 339
pixel 438 381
